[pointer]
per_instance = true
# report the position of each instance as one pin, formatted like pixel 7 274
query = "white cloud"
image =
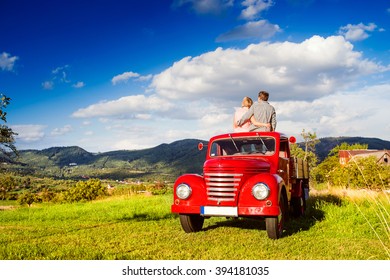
pixel 48 85
pixel 254 8
pixel 7 62
pixel 205 6
pixel 261 29
pixel 126 144
pixel 79 85
pixel 29 132
pixel 124 77
pixel 126 107
pixel 125 135
pixel 310 85
pixel 60 70
pixel 294 71
pixel 61 131
pixel 143 116
pixel 345 113
pixel 60 76
pixel 357 32
pixel 144 78
pixel 60 73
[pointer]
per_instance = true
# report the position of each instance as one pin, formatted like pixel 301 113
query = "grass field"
pixel 337 226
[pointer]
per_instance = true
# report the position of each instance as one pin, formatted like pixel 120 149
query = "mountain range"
pixel 165 160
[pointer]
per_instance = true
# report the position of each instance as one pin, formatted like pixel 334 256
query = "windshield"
pixel 243 146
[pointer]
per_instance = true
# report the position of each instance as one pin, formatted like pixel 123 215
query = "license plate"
pixel 219 211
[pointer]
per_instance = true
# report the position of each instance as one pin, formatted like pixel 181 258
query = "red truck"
pixel 247 174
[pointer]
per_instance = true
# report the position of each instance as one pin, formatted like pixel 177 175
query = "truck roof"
pixel 275 134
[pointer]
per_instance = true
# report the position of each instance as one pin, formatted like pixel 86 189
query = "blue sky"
pixel 109 75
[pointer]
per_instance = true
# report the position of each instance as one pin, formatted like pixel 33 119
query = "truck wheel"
pixel 191 223
pixel 298 205
pixel 274 225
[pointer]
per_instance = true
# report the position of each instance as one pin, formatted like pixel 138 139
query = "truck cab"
pixel 247 174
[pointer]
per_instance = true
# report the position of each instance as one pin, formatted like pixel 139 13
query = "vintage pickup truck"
pixel 247 174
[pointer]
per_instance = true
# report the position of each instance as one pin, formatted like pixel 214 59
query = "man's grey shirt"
pixel 263 112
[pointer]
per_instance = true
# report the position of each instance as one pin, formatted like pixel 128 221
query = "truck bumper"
pixel 214 211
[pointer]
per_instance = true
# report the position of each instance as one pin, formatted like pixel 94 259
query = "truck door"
pixel 283 165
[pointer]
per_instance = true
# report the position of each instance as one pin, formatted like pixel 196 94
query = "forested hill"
pixel 173 159
pixel 169 160
pixel 175 152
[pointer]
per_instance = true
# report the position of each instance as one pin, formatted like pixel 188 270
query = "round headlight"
pixel 260 191
pixel 183 191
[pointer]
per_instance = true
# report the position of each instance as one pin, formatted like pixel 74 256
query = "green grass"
pixel 140 227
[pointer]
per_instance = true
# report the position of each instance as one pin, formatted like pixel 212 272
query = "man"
pixel 263 113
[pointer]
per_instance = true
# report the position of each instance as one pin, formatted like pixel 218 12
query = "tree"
pixel 27 198
pixel 7 184
pixel 310 141
pixel 308 153
pixel 85 191
pixel 363 172
pixel 297 151
pixel 7 139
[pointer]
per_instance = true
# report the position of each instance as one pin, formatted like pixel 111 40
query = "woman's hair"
pixel 247 102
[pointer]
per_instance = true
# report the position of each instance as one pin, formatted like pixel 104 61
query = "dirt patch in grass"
pixel 349 193
pixel 8 207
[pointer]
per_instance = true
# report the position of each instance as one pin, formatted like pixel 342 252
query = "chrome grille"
pixel 222 186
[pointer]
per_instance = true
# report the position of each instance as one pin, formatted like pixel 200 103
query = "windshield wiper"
pixel 234 143
pixel 264 148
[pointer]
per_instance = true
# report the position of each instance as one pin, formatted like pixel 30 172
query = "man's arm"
pixel 246 116
pixel 259 124
pixel 273 120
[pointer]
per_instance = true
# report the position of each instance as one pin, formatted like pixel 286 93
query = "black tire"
pixel 191 223
pixel 298 204
pixel 274 225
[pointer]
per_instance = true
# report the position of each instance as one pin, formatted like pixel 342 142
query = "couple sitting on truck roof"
pixel 259 116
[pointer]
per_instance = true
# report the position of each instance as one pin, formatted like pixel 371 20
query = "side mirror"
pixel 200 146
pixel 292 140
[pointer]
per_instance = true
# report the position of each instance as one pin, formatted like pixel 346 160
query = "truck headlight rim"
pixel 261 191
pixel 183 191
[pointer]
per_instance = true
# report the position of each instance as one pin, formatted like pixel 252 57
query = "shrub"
pixel 367 173
pixel 358 173
pixel 7 184
pixel 158 188
pixel 85 191
pixel 27 198
pixel 47 195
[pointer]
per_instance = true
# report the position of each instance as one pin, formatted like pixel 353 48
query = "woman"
pixel 245 105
